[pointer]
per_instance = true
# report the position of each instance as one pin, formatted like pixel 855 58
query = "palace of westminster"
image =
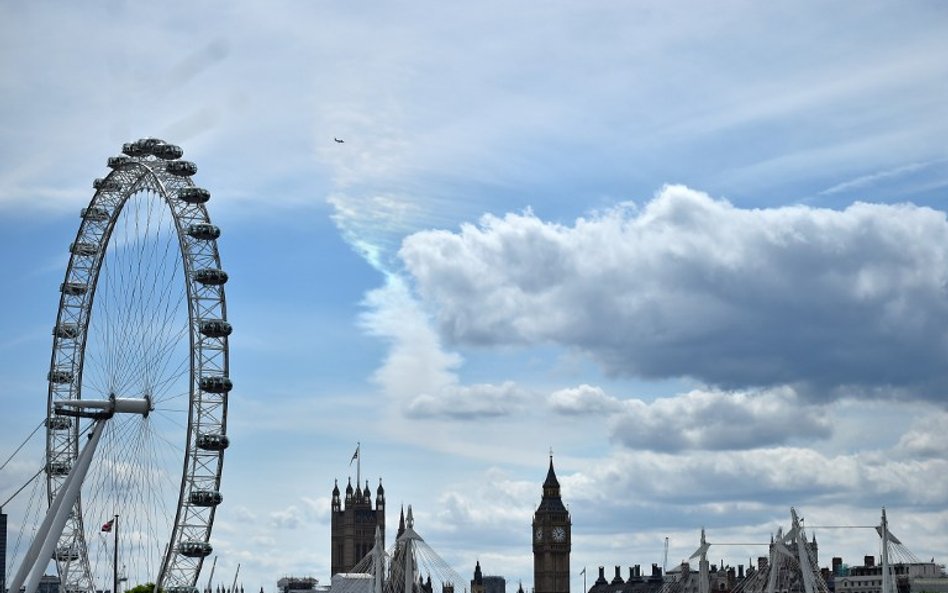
pixel 353 534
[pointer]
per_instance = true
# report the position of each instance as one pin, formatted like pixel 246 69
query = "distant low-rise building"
pixel 914 577
pixel 299 585
pixel 636 583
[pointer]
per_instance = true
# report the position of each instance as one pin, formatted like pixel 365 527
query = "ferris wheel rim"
pixel 147 168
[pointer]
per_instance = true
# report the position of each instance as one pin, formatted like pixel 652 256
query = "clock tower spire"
pixel 551 539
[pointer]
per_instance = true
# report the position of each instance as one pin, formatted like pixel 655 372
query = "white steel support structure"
pixel 887 584
pixel 41 550
pixel 51 529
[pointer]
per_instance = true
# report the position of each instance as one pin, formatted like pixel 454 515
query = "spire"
pixel 401 522
pixel 335 488
pixel 551 500
pixel 551 481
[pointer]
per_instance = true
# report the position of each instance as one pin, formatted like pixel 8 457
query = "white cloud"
pixel 416 362
pixel 715 421
pixel 469 401
pixel 926 438
pixel 583 400
pixel 418 373
pixel 835 302
pixel 778 475
pixel 288 518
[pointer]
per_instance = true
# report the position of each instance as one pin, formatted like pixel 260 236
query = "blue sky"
pixel 698 249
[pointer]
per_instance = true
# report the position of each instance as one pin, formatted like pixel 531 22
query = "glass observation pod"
pixel 213 442
pixel 119 162
pixel 58 423
pixel 167 152
pixel 66 330
pixel 211 276
pixel 216 384
pixel 216 328
pixel 141 147
pixel 195 549
pixel 73 288
pixel 205 498
pixel 106 184
pixel 94 213
pixel 59 377
pixel 87 249
pixel 182 168
pixel 194 195
pixel 204 231
pixel 58 468
pixel 181 589
pixel 134 148
pixel 66 555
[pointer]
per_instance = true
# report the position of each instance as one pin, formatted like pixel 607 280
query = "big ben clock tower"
pixel 551 539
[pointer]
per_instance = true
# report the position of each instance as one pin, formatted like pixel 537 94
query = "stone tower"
pixel 477 584
pixel 353 524
pixel 551 539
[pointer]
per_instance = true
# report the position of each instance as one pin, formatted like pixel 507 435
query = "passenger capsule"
pixel 204 231
pixel 119 162
pixel 58 468
pixel 195 549
pixel 87 249
pixel 150 143
pixel 205 498
pixel 59 377
pixel 58 423
pixel 194 195
pixel 167 152
pixel 216 384
pixel 134 149
pixel 66 330
pixel 211 276
pixel 94 213
pixel 106 184
pixel 73 288
pixel 180 589
pixel 182 168
pixel 216 328
pixel 213 442
pixel 66 554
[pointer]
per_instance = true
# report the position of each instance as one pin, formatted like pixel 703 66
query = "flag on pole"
pixel 108 526
pixel 355 455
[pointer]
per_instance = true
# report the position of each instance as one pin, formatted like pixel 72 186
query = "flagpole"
pixel 115 580
pixel 358 464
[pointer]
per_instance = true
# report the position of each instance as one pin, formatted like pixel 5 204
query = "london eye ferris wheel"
pixel 141 315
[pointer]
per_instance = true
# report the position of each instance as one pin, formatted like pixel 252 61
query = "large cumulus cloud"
pixel 833 302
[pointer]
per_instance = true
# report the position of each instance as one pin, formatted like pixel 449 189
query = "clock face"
pixel 538 534
pixel 559 534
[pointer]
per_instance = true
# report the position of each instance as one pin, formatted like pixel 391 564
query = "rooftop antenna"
pixel 665 561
